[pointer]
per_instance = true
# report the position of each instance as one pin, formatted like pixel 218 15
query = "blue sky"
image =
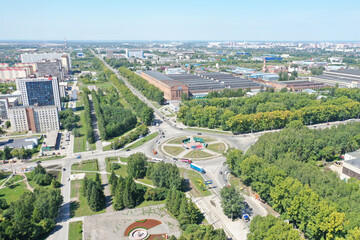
pixel 268 20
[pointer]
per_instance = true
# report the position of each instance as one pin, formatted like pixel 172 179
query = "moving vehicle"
pixel 154 151
pixel 186 160
pixel 78 156
pixel 128 149
pixel 64 169
pixel 246 217
pixel 197 168
pixel 37 162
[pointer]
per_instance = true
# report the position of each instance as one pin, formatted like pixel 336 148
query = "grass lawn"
pixel 150 203
pixel 14 192
pixel 146 181
pixel 197 154
pixel 115 159
pixel 75 188
pixel 88 165
pixel 143 140
pixel 172 150
pixel 14 179
pixel 217 147
pixel 199 190
pixel 33 184
pixel 80 142
pixel 75 230
pixel 177 140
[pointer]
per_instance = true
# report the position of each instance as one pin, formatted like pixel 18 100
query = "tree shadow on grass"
pixel 74 205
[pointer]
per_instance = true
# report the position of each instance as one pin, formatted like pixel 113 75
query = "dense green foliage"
pixel 22 153
pixel 89 131
pixel 141 130
pixel 137 165
pixel 40 176
pixel 112 118
pixel 94 193
pixel 122 62
pixel 232 202
pixel 32 216
pixel 165 175
pixel 266 111
pixel 6 88
pixel 184 210
pixel 127 194
pixel 280 168
pixel 229 93
pixel 150 91
pixel 68 119
pixel 144 113
pixel 270 228
pixel 202 232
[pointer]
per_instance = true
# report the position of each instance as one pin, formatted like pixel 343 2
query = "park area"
pixel 193 147
pixel 147 222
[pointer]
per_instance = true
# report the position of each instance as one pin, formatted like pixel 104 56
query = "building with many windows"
pixel 37 57
pixel 41 91
pixel 34 118
pixel 134 53
pixel 50 67
pixel 12 73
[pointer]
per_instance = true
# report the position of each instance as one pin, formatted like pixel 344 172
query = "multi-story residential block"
pixel 33 58
pixel 34 118
pixel 12 73
pixel 4 107
pixel 134 53
pixel 42 91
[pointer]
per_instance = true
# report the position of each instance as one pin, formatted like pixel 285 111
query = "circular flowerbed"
pixel 144 224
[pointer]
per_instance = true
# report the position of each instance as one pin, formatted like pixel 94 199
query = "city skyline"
pixel 190 21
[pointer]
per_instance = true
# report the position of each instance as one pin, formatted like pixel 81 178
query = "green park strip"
pixel 13 192
pixel 143 140
pixel 197 181
pixel 47 158
pixel 145 181
pixel 88 165
pixel 75 230
pixel 80 142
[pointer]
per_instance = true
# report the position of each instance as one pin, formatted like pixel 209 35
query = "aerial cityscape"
pixel 202 120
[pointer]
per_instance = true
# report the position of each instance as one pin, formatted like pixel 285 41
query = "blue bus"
pixel 197 168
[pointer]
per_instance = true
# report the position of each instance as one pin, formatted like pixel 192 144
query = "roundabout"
pixel 194 147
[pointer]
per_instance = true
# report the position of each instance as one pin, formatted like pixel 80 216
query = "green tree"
pixel 231 201
pixel 137 164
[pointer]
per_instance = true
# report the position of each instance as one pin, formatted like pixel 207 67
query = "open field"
pixel 14 192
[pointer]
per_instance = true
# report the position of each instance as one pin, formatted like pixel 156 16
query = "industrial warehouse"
pixel 197 85
pixel 344 78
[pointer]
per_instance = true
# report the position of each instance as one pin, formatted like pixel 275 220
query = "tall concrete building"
pixel 34 118
pixel 37 57
pixel 4 108
pixel 50 67
pixel 41 91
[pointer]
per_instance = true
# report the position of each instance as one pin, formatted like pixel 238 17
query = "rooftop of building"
pixel 353 162
pixel 51 138
pixel 346 71
pixel 20 143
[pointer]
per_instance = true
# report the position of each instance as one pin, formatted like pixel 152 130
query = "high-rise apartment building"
pixel 41 91
pixel 4 108
pixel 134 53
pixel 34 118
pixel 50 67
